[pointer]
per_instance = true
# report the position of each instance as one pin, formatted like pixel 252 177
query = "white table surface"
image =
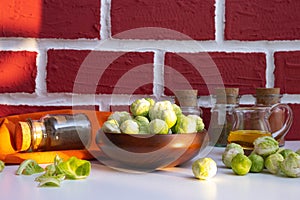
pixel 173 183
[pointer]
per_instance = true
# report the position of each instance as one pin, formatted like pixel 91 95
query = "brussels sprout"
pixel 241 164
pixel 257 162
pixel 265 145
pixel 284 152
pixel 140 107
pixel 204 168
pixel 199 122
pixel 151 101
pixel 111 126
pixel 185 125
pixel 177 109
pixel 163 110
pixel 231 150
pixel 272 162
pixel 2 165
pixel 143 124
pixel 120 116
pixel 158 126
pixel 290 166
pixel 130 127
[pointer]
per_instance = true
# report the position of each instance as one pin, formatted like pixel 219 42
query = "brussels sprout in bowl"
pixel 148 152
pixel 153 135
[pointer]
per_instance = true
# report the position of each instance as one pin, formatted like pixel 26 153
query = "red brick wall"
pixel 54 51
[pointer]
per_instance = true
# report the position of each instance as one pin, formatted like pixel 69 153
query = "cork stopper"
pixel 186 98
pixel 227 95
pixel 267 96
pixel 22 136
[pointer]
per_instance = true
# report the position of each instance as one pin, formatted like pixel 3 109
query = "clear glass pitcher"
pixel 253 122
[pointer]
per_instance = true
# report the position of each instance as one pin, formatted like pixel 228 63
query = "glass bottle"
pixel 267 97
pixel 188 102
pixel 54 132
pixel 222 119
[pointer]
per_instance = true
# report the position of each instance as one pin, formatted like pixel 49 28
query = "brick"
pixel 17 71
pixel 287 71
pixel 96 72
pixel 168 19
pixel 68 19
pixel 262 20
pixel 7 110
pixel 206 71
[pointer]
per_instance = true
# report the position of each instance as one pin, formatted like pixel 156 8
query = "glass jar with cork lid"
pixel 188 102
pixel 53 132
pixel 222 119
pixel 267 97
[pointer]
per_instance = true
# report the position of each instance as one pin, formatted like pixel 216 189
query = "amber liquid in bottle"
pixel 246 137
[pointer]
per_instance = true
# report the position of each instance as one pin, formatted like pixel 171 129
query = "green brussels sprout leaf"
pixel 2 165
pixel 75 168
pixel 29 167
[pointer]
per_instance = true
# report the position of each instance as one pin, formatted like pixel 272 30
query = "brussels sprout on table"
pixel 231 150
pixel 204 168
pixel 284 152
pixel 265 145
pixel 272 162
pixel 257 162
pixel 241 164
pixel 290 166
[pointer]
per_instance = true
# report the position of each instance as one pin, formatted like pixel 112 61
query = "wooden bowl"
pixel 147 152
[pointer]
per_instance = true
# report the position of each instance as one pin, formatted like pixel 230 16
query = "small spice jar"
pixel 267 97
pixel 53 132
pixel 222 119
pixel 188 102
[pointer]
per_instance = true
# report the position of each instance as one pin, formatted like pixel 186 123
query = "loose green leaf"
pixel 52 176
pixel 29 167
pixel 2 165
pixel 49 182
pixel 75 168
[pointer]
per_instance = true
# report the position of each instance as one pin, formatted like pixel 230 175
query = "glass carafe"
pixel 253 122
pixel 267 97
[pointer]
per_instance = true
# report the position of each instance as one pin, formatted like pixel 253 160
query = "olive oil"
pixel 246 137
